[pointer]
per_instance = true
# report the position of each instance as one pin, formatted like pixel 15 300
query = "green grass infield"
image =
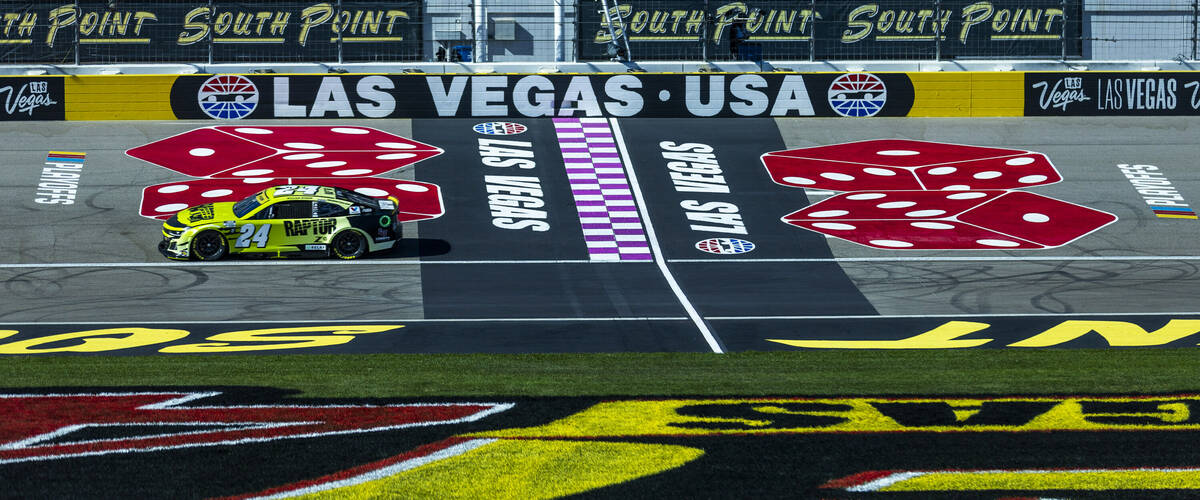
pixel 931 372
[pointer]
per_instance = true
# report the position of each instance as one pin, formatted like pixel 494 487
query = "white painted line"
pixel 657 250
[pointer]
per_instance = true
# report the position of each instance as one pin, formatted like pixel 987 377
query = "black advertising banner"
pixel 895 29
pixel 624 95
pixel 32 98
pixel 185 31
pixel 1112 94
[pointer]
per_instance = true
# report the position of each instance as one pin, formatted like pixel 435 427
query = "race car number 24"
pixel 250 235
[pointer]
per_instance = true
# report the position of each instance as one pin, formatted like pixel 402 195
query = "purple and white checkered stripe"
pixel 612 228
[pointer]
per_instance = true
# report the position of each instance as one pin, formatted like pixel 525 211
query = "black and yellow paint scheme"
pixel 280 221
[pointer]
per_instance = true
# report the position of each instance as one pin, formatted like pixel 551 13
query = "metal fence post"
pixel 1195 27
pixel 812 31
pixel 937 30
pixel 77 44
pixel 337 17
pixel 210 31
pixel 1064 30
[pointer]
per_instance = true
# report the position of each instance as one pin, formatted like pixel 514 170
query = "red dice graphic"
pixel 242 160
pixel 239 152
pixel 941 220
pixel 899 164
pixel 417 200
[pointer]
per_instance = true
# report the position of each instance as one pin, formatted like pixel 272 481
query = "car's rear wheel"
pixel 349 244
pixel 209 245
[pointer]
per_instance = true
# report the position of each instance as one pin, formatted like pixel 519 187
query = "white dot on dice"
pixel 835 176
pixel 836 226
pixel 829 213
pixel 932 225
pixel 865 196
pixel 799 180
pixel 998 243
pixel 325 164
pixel 412 188
pixel 303 145
pixel 965 196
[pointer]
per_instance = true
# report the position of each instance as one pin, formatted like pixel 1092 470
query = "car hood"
pixel 204 214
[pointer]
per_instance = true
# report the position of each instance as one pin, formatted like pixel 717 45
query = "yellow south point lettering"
pixel 714 417
pixel 945 336
pixel 271 339
pixel 1117 333
pixel 93 340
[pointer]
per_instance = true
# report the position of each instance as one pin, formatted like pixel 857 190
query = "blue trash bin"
pixel 462 52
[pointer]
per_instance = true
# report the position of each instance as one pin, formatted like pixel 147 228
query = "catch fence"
pixel 349 31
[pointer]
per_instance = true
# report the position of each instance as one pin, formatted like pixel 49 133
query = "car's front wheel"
pixel 349 244
pixel 209 245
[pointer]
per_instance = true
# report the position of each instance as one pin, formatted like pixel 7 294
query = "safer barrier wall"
pixel 661 95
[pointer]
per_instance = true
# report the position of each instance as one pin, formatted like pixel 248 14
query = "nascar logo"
pixel 499 128
pixel 724 246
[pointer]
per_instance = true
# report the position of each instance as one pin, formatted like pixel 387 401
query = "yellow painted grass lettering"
pixel 108 339
pixel 1117 333
pixel 706 417
pixel 271 339
pixel 947 336
pixel 1037 479
pixel 116 339
pixel 523 469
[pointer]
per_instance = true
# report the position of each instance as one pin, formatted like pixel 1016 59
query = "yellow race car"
pixel 284 221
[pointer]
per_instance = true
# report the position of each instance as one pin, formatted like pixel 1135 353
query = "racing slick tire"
pixel 349 244
pixel 209 245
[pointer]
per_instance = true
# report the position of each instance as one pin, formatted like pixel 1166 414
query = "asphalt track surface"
pixel 461 283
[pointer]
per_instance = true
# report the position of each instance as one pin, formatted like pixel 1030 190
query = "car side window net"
pixel 294 210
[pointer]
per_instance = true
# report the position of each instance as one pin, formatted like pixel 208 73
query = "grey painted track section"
pixel 95 261
pixel 103 227
pixel 1086 152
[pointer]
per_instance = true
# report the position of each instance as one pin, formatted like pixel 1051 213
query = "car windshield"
pixel 241 208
